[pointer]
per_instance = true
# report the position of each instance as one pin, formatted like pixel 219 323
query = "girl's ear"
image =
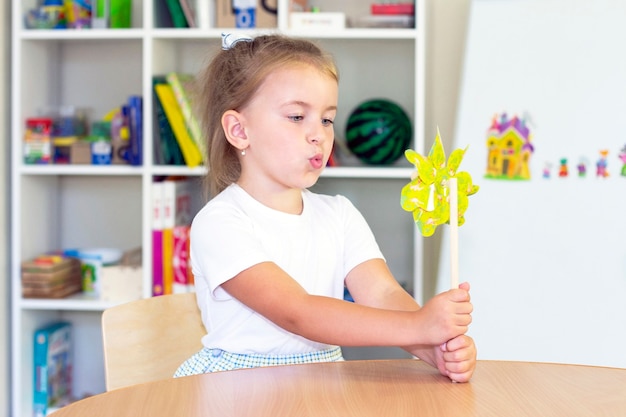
pixel 233 129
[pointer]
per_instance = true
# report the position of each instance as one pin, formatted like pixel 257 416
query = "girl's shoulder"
pixel 336 202
pixel 227 201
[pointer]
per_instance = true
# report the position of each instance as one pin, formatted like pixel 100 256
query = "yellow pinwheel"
pixel 428 194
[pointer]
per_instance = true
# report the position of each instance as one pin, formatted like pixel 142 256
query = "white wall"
pixel 5 31
pixel 447 22
pixel 546 257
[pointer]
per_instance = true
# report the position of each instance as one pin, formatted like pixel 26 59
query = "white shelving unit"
pixel 61 206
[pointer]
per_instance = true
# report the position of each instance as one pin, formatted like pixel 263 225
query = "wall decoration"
pixel 601 165
pixel 563 171
pixel 622 157
pixel 582 168
pixel 509 148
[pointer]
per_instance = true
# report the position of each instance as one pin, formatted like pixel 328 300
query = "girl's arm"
pixel 372 284
pixel 370 321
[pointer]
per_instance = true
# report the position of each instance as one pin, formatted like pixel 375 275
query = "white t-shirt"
pixel 317 248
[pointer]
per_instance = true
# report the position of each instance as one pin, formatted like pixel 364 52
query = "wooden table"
pixel 394 388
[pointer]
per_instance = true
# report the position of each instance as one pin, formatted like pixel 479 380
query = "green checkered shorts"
pixel 214 360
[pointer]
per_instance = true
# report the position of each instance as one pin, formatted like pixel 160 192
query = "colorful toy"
pixel 563 170
pixel 38 141
pixel 545 172
pixel 78 13
pixel 601 165
pixel 438 194
pixel 509 148
pixel 582 168
pixel 622 157
pixel 51 14
pixel 378 131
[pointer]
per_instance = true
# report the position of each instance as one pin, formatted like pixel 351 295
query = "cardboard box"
pixel 80 152
pixel 121 283
pixel 265 13
pixel 265 17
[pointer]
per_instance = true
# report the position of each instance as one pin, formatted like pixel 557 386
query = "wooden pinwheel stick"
pixel 454 233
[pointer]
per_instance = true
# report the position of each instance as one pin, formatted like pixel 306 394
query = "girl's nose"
pixel 316 133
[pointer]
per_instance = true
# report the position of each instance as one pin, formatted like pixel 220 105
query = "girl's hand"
pixel 445 316
pixel 456 358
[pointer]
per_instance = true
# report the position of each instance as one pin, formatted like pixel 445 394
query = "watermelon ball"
pixel 378 132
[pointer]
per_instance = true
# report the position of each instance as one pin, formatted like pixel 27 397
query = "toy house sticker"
pixel 509 148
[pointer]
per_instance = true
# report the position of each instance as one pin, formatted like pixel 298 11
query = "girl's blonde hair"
pixel 229 83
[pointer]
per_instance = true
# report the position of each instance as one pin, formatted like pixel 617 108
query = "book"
pixel 189 149
pixel 167 151
pixel 394 8
pixel 158 155
pixel 177 14
pixel 52 360
pixel 167 236
pixel 121 13
pixel 180 259
pixel 189 12
pixel 135 124
pixel 157 238
pixel 162 16
pixel 181 85
pixel 177 196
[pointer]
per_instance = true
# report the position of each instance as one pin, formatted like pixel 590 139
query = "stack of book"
pixel 177 134
pixel 51 276
pixel 174 204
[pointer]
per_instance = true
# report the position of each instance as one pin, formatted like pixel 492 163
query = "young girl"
pixel 271 258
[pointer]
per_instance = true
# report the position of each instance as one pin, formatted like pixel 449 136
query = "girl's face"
pixel 289 128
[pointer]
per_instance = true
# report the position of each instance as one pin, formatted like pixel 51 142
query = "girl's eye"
pixel 299 118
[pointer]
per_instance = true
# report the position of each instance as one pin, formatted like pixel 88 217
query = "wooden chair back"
pixel 147 339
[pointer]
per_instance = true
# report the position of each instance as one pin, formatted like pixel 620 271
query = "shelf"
pixel 79 302
pixel 81 170
pixel 60 206
pixel 356 33
pixel 367 172
pixel 162 170
pixel 177 170
pixel 330 172
pixel 172 33
pixel 194 33
pixel 80 34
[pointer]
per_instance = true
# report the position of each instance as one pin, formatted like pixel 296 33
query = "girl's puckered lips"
pixel 317 161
